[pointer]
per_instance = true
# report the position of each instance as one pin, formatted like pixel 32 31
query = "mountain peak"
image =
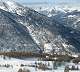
pixel 12 6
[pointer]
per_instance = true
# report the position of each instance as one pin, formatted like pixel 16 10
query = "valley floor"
pixel 13 65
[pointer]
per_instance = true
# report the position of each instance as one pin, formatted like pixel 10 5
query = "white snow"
pixel 48 48
pixel 11 4
pixel 75 55
pixel 74 71
pixel 71 16
pixel 65 45
pixel 15 65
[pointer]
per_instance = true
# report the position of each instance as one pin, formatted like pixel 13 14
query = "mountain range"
pixel 24 29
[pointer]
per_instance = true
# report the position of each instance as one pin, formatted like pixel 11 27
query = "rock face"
pixel 23 29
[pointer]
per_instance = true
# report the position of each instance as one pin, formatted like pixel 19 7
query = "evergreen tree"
pixel 66 69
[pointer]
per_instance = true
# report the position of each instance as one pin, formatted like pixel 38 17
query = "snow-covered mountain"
pixel 66 15
pixel 23 28
pixel 12 6
pixel 14 36
pixel 70 19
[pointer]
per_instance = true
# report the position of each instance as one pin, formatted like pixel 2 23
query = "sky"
pixel 49 1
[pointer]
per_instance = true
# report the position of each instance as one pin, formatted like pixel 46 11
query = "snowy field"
pixel 13 65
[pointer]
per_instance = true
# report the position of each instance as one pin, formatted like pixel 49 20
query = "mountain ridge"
pixel 44 31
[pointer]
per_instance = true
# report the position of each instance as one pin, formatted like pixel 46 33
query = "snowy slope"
pixel 14 36
pixel 12 6
pixel 68 16
pixel 13 65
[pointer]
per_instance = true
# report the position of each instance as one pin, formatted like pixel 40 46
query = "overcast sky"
pixel 49 1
